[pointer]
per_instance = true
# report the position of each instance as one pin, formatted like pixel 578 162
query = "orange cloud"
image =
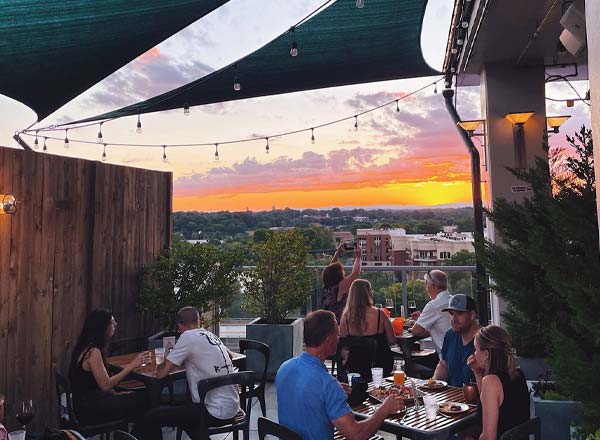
pixel 390 195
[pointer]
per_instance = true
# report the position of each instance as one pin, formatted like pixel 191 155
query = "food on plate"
pixel 431 381
pixel 402 391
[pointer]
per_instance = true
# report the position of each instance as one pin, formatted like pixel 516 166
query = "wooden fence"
pixel 77 242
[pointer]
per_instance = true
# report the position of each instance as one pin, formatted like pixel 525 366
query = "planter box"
pixel 285 341
pixel 557 416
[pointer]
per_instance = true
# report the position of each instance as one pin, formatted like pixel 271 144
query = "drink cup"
pixel 431 406
pixel 399 377
pixel 471 392
pixel 17 435
pixel 159 355
pixel 377 375
pixel 351 377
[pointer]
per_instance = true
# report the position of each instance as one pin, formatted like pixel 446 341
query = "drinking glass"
pixel 389 305
pixel 431 406
pixel 159 355
pixel 146 359
pixel 412 306
pixel 377 374
pixel 399 375
pixel 378 306
pixel 25 412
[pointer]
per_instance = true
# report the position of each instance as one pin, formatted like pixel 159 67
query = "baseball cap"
pixel 460 303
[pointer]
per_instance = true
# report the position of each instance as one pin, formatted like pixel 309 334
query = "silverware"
pixel 443 415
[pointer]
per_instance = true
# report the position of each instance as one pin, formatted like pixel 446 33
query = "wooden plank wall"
pixel 81 233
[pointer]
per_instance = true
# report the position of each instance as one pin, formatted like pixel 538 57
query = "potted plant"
pixel 547 266
pixel 277 287
pixel 200 275
pixel 557 412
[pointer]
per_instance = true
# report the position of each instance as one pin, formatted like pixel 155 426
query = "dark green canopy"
pixel 52 50
pixel 338 46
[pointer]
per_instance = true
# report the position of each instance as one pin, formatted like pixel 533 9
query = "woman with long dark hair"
pixel 362 319
pixel 94 397
pixel 503 392
pixel 336 284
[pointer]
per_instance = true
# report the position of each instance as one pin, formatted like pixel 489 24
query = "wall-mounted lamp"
pixel 518 120
pixel 554 122
pixel 471 126
pixel 8 204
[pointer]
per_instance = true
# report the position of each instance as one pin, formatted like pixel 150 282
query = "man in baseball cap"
pixel 458 342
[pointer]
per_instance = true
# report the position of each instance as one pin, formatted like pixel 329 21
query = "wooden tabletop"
pixel 149 371
pixel 413 424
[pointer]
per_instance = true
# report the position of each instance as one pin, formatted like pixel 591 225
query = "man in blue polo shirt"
pixel 310 400
pixel 458 342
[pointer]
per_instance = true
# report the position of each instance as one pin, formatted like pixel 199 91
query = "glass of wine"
pixel 412 306
pixel 389 305
pixel 25 412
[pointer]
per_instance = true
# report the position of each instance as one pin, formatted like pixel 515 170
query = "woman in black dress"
pixel 336 284
pixel 94 398
pixel 503 392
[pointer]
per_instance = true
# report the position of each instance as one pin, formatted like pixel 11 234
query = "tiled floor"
pixel 271 398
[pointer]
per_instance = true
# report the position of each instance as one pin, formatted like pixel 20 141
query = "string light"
pixel 356 122
pixel 139 125
pixel 312 135
pixel 360 4
pixel 45 148
pixel 267 146
pixel 100 133
pixel 454 51
pixel 294 47
pixel 460 41
pixel 164 153
pixel 186 108
pixel 216 151
pixel 36 144
pixel 435 89
pixel 104 154
pixel 67 138
pixel 397 106
pixel 236 82
pixel 465 24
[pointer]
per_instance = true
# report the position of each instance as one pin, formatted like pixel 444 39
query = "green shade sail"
pixel 53 50
pixel 340 45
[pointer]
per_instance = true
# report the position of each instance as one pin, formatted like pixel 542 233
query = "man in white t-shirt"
pixel 204 356
pixel 433 320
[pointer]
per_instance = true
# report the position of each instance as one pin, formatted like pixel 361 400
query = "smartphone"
pixel 349 246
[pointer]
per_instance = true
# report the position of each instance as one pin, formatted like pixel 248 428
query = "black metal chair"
pixel 524 430
pixel 412 368
pixel 66 414
pixel 269 427
pixel 122 435
pixel 259 388
pixel 245 381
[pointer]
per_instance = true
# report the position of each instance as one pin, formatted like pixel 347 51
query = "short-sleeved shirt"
pixel 205 356
pixel 455 354
pixel 309 398
pixel 434 320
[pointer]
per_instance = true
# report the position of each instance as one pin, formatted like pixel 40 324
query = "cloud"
pixel 339 169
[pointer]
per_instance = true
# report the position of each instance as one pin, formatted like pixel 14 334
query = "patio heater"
pixel 518 120
pixel 554 122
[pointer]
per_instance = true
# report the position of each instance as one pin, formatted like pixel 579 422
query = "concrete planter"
pixel 285 341
pixel 533 368
pixel 557 416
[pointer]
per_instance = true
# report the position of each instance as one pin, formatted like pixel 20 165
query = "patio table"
pixel 147 373
pixel 413 424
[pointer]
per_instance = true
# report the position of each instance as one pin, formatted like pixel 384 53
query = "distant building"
pixel 342 237
pixel 360 219
pixel 376 245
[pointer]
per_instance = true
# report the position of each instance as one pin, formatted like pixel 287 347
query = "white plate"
pixel 453 408
pixel 438 385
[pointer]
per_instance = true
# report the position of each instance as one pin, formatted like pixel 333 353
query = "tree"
pixel 281 282
pixel 200 275
pixel 547 269
pixel 460 282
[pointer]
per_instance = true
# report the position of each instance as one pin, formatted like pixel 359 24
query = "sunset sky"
pixel 396 159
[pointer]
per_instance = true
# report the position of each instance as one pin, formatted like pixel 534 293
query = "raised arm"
pixel 336 256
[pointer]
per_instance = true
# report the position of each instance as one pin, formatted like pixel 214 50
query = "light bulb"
pixel 164 153
pixel 360 4
pixel 356 122
pixel 45 148
pixel 36 144
pixel 460 41
pixel 312 135
pixel 104 154
pixel 435 88
pixel 397 106
pixel 66 139
pixel 236 85
pixel 452 69
pixel 99 140
pixel 465 24
pixel 216 151
pixel 454 50
pixel 186 109
pixel 294 49
pixel 267 146
pixel 139 125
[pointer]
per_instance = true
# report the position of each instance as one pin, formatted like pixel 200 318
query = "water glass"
pixel 16 435
pixel 431 406
pixel 159 355
pixel 377 374
pixel 351 377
